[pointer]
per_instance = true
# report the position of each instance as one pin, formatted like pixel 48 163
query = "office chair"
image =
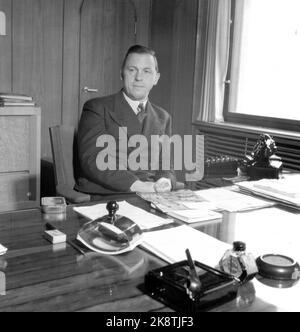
pixel 64 152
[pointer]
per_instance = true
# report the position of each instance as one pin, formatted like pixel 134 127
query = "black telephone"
pixel 263 161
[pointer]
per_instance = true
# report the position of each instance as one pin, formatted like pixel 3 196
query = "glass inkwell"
pixel 239 263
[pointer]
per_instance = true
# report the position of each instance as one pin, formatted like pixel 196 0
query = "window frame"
pixel 247 119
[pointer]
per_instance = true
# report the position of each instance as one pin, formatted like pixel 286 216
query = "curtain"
pixel 212 64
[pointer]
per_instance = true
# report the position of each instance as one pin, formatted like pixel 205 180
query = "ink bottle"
pixel 237 262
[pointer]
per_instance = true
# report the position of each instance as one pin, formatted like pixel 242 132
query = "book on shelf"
pixel 15 96
pixel 11 100
pixel 18 103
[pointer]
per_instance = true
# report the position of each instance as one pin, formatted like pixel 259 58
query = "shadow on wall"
pixel 47 179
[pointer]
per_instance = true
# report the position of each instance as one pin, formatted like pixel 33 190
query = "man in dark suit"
pixel 121 117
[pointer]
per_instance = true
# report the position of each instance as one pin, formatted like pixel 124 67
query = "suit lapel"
pixel 152 125
pixel 123 114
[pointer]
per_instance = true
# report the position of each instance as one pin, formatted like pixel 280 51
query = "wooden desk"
pixel 43 277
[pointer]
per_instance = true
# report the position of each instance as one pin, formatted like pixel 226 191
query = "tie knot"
pixel 141 107
pixel 141 113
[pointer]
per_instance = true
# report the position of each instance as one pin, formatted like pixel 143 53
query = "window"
pixel 264 70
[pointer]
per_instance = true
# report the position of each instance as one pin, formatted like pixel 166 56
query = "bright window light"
pixel 266 59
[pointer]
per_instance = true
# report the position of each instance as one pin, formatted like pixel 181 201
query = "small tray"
pixel 168 285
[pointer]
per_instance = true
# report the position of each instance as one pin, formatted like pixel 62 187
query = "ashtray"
pixel 53 205
pixel 278 267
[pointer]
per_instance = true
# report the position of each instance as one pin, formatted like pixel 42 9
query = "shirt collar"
pixel 134 103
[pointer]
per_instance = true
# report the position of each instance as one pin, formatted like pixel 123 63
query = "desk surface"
pixel 41 277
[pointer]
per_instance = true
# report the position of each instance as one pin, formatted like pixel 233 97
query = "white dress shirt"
pixel 135 103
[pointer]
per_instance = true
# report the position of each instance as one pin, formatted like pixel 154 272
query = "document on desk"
pixel 170 245
pixel 144 219
pixel 192 216
pixel 285 190
pixel 230 200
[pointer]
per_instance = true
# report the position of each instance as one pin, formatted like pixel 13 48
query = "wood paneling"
pixel 143 10
pixel 161 41
pixel 107 30
pixel 74 21
pixel 40 55
pixel 14 143
pixel 5 49
pixel 173 37
pixel 37 58
pixel 20 158
pixel 71 47
pixel 183 65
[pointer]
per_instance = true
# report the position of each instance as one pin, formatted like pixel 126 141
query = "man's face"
pixel 139 75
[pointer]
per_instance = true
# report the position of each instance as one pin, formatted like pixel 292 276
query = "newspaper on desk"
pixel 214 199
pixel 173 200
pixel 176 204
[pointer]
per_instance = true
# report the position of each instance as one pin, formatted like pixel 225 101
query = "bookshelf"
pixel 20 145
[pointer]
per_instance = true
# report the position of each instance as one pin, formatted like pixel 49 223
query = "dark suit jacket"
pixel 104 116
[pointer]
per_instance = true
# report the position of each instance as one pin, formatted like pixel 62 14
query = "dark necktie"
pixel 142 113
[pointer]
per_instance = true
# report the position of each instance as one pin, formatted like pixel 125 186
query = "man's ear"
pixel 121 75
pixel 156 78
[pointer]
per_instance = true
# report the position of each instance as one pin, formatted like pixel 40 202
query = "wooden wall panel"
pixel 40 55
pixel 107 30
pixel 37 58
pixel 5 49
pixel 20 157
pixel 183 65
pixel 71 47
pixel 73 20
pixel 161 41
pixel 14 143
pixel 143 11
pixel 173 37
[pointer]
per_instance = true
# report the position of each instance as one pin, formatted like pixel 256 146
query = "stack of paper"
pixel 191 212
pixel 229 200
pixel 192 216
pixel 170 245
pixel 285 190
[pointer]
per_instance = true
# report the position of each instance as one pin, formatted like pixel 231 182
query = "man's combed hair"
pixel 139 49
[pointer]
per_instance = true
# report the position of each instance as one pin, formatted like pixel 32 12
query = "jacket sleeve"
pixel 91 126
